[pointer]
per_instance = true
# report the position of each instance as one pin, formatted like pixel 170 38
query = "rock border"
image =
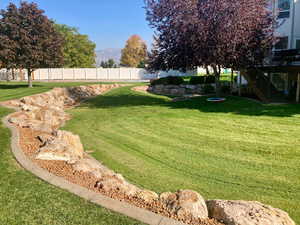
pixel 124 208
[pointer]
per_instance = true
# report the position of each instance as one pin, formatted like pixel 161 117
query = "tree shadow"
pixel 15 86
pixel 233 105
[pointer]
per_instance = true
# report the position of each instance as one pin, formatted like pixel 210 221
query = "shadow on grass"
pixel 124 97
pixel 16 86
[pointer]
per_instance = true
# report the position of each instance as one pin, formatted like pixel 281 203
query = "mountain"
pixel 109 53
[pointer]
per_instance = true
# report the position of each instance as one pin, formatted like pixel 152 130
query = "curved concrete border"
pixel 124 208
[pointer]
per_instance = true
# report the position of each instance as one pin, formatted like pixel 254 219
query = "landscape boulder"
pixel 185 203
pixel 247 213
pixel 147 195
pixel 65 147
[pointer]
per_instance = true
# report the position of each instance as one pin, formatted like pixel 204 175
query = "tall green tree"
pixel 109 64
pixel 134 53
pixel 78 50
pixel 28 39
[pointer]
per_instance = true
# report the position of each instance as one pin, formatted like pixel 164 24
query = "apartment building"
pixel 288 18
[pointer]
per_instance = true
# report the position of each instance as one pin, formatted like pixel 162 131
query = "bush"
pixel 210 79
pixel 197 80
pixel 225 89
pixel 202 80
pixel 208 89
pixel 168 81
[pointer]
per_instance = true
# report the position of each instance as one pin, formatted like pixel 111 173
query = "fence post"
pixel 107 70
pixel 130 74
pixel 48 74
pixel 119 73
pixel 96 73
pixel 62 73
pixel 73 73
pixel 39 74
pixel 85 73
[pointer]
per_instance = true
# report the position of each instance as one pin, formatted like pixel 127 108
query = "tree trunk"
pixel 207 70
pixel 7 75
pixel 218 85
pixel 29 78
pixel 13 74
pixel 231 81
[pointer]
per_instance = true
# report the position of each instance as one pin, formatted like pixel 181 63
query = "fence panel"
pixel 92 74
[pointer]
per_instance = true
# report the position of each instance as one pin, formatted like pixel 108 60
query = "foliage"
pixel 215 33
pixel 28 39
pixel 78 50
pixel 108 64
pixel 168 81
pixel 197 80
pixel 208 89
pixel 134 53
pixel 225 89
pixel 203 80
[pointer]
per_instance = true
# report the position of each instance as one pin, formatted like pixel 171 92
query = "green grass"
pixel 239 149
pixel 26 200
pixel 225 77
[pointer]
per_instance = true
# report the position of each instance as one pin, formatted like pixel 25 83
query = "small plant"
pixel 168 81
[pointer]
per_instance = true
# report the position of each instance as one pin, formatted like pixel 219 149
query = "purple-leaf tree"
pixel 28 39
pixel 218 33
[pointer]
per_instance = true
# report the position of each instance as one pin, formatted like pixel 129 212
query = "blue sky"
pixel 108 23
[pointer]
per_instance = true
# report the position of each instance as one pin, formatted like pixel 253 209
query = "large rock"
pixel 90 165
pixel 72 141
pixel 65 147
pixel 247 213
pixel 147 195
pixel 186 203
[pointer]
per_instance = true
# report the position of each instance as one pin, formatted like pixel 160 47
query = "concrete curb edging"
pixel 124 208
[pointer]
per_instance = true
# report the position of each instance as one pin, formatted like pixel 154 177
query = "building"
pixel 279 78
pixel 288 30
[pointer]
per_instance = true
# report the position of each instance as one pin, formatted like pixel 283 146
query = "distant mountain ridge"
pixel 109 53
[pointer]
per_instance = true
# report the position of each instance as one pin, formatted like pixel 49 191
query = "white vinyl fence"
pixel 49 74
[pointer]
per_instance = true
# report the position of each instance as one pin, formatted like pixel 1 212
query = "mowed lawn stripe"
pixel 237 150
pixel 25 199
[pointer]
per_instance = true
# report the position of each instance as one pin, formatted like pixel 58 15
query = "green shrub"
pixel 208 89
pixel 210 79
pixel 225 89
pixel 202 80
pixel 197 80
pixel 168 81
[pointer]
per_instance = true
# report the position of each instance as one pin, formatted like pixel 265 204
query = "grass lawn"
pixel 26 200
pixel 239 149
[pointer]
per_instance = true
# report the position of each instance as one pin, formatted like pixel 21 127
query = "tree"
pixel 28 39
pixel 78 50
pixel 108 64
pixel 217 33
pixel 134 52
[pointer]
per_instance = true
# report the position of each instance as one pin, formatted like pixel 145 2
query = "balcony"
pixel 289 57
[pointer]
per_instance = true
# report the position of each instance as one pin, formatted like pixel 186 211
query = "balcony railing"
pixel 289 57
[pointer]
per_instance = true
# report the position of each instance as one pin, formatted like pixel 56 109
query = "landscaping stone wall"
pixel 44 114
pixel 182 89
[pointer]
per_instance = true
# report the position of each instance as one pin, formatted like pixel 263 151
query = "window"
pixel 284 7
pixel 298 44
pixel 282 43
